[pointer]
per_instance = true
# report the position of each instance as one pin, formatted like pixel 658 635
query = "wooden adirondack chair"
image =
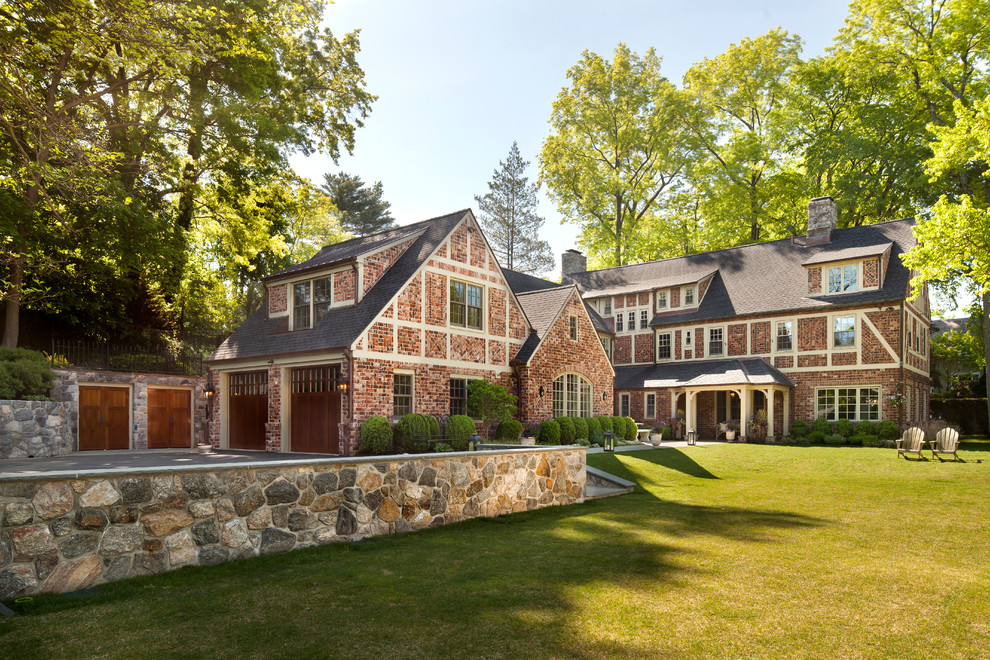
pixel 912 442
pixel 946 442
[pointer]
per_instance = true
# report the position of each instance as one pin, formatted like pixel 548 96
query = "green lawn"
pixel 726 551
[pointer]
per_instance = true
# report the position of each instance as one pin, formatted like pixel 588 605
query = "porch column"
pixel 770 394
pixel 690 412
pixel 787 410
pixel 744 412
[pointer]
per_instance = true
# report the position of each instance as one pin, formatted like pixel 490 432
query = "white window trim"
pixel 773 338
pixel 291 295
pixel 646 405
pixel 857 419
pixel 591 395
pixel 666 302
pixel 412 403
pixel 725 340
pixel 484 306
pixel 455 376
pixel 684 289
pixel 627 397
pixel 573 328
pixel 860 273
pixel 831 332
pixel 668 333
pixel 637 310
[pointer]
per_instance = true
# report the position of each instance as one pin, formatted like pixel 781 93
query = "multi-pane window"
pixel 843 331
pixel 785 335
pixel 624 405
pixel 644 319
pixel 631 318
pixel 853 403
pixel 458 396
pixel 574 328
pixel 402 394
pixel 651 405
pixel 618 322
pixel 687 338
pixel 608 307
pixel 661 299
pixel 310 302
pixel 571 396
pixel 607 345
pixel 715 343
pixel 842 279
pixel 689 295
pixel 465 305
pixel 301 312
pixel 626 321
pixel 663 346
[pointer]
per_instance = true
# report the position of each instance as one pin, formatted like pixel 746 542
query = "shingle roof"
pixel 260 336
pixel 857 252
pixel 619 281
pixel 703 373
pixel 524 283
pixel 601 325
pixel 541 308
pixel 945 325
pixel 767 277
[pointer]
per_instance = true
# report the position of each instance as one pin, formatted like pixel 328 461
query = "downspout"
pixel 902 324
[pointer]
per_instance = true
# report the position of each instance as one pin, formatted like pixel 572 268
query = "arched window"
pixel 571 396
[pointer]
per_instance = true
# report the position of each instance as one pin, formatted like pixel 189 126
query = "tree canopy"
pixel 362 209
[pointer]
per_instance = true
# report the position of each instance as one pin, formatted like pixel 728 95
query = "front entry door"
pixel 169 418
pixel 315 409
pixel 104 417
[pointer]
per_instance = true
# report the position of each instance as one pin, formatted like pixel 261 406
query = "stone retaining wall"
pixel 67 533
pixel 30 429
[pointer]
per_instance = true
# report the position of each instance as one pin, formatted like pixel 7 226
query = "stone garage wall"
pixel 68 533
pixel 30 429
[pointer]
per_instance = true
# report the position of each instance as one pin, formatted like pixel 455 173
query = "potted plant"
pixel 758 425
pixel 656 434
pixel 677 422
pixel 528 435
pixel 730 435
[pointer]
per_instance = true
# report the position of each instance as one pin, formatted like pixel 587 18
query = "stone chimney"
pixel 571 262
pixel 822 219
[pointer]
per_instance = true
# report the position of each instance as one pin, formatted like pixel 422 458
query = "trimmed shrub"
pixel 406 429
pixel 508 431
pixel 874 441
pixel 821 425
pixel 549 433
pixel 816 438
pixel 619 427
pixel 844 427
pixel 582 442
pixel 460 428
pixel 376 436
pixel 632 430
pixel 24 375
pixel 567 436
pixel 859 439
pixel 606 423
pixel 580 428
pixel 595 433
pixel 798 441
pixel 443 447
pixel 887 430
pixel 835 439
pixel 800 429
pixel 866 427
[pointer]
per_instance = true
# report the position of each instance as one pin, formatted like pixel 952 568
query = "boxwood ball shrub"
pixel 567 436
pixel 844 427
pixel 821 425
pixel 411 426
pixel 376 436
pixel 595 433
pixel 619 427
pixel 583 442
pixel 835 439
pixel 508 431
pixel 800 429
pixel 24 374
pixel 606 423
pixel 887 430
pixel 632 430
pixel 549 433
pixel 816 437
pixel 580 427
pixel 866 427
pixel 460 428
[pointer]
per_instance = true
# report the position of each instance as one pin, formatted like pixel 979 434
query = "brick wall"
pixel 871 275
pixel 622 350
pixel 737 339
pixel 343 285
pixel 377 263
pixel 761 337
pixel 278 300
pixel 812 333
pixel 273 428
pixel 411 301
pixel 644 348
pixel 815 280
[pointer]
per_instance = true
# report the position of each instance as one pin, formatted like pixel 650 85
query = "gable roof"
pixel 541 308
pixel 261 336
pixel 764 278
pixel 705 373
pixel 524 283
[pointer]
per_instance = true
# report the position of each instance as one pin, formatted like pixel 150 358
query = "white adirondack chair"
pixel 912 442
pixel 946 442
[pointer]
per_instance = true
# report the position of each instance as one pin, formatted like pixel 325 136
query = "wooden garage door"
pixel 104 418
pixel 169 418
pixel 248 414
pixel 315 409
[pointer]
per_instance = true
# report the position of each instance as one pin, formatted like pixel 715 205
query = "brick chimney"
pixel 572 261
pixel 822 219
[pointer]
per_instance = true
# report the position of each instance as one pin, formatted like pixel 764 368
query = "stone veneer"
pixel 29 429
pixel 64 534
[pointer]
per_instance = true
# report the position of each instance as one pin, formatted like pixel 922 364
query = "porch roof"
pixel 703 373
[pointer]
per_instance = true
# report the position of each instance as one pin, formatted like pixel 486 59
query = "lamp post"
pixel 609 441
pixel 692 437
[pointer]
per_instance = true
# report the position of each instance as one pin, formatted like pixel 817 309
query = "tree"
pixel 508 214
pixel 616 145
pixel 952 353
pixel 739 136
pixel 362 209
pixel 490 402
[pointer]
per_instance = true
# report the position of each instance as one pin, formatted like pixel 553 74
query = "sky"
pixel 459 81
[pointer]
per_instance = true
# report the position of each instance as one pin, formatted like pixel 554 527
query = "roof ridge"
pixel 393 229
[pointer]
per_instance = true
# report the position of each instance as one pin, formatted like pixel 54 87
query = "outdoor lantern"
pixel 342 387
pixel 209 392
pixel 609 441
pixel 473 442
pixel 692 437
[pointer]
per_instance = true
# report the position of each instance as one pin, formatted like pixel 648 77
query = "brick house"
pixel 818 325
pixel 399 322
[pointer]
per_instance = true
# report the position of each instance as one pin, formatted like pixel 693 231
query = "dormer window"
pixel 310 302
pixel 688 296
pixel 842 279
pixel 608 307
pixel 661 300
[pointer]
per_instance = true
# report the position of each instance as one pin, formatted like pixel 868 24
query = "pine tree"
pixel 508 215
pixel 362 209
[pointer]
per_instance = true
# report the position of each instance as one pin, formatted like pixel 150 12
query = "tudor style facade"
pixel 393 323
pixel 820 325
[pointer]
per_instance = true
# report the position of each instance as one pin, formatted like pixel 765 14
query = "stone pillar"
pixel 273 429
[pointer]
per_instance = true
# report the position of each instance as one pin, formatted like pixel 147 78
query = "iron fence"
pixel 118 357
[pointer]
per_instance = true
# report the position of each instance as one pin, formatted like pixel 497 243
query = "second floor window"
pixel 663 346
pixel 310 302
pixel 644 319
pixel 465 305
pixel 844 332
pixel 689 296
pixel 784 336
pixel 661 299
pixel 842 279
pixel 608 307
pixel 618 323
pixel 715 346
pixel 574 330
